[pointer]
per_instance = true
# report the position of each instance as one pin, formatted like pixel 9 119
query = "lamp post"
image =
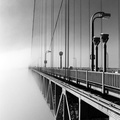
pixel 60 53
pixel 101 15
pixel 104 38
pixel 96 42
pixel 45 61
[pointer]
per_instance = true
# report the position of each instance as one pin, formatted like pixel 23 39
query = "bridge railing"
pixel 106 80
pixel 95 77
pixel 81 75
pixel 112 80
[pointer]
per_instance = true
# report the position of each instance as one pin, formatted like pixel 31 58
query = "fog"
pixel 15 59
pixel 20 96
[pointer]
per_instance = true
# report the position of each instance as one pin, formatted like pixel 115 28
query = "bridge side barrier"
pixel 95 77
pixel 73 74
pixel 42 69
pixel 57 72
pixel 108 81
pixel 112 80
pixel 62 72
pixel 49 70
pixel 81 75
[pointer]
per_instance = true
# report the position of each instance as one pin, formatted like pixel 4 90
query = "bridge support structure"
pixel 69 103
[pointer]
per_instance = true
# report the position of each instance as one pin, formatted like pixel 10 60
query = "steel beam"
pixel 105 106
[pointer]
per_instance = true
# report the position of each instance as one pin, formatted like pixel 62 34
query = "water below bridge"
pixel 20 96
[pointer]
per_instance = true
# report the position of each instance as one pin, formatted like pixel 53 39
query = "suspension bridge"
pixel 75 50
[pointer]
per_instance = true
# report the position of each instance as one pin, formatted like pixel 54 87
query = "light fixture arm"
pixel 93 18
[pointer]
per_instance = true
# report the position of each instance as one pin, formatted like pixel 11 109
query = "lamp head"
pixel 60 53
pixel 96 40
pixel 104 15
pixel 104 37
pixel 45 61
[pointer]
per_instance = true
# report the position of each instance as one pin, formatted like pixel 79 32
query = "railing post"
pixel 87 85
pixel 103 78
pixel 76 76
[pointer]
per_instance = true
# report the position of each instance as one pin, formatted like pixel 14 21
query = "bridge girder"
pixel 57 94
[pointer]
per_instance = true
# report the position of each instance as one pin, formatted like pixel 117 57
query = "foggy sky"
pixel 15 24
pixel 15 33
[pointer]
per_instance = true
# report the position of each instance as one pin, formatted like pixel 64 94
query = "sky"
pixel 15 32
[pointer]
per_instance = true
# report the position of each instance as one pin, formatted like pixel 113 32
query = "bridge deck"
pixel 104 105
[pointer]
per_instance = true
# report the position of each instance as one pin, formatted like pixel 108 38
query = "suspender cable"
pixel 45 24
pixel 33 26
pixel 101 19
pixel 89 33
pixel 52 29
pixel 74 59
pixel 39 58
pixel 80 33
pixel 41 32
pixel 58 37
pixel 119 32
pixel 45 30
pixel 66 35
pixel 60 31
pixel 61 28
pixel 101 32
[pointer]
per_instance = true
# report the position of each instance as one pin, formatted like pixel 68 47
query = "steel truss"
pixel 66 104
pixel 59 100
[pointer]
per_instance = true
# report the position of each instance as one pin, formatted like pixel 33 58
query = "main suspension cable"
pixel 56 23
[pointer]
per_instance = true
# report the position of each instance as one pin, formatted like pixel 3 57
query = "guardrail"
pixel 105 80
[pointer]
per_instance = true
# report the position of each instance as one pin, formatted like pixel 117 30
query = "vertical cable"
pixel 89 31
pixel 52 29
pixel 67 33
pixel 101 32
pixel 74 36
pixel 33 27
pixel 58 38
pixel 101 19
pixel 57 44
pixel 80 32
pixel 39 40
pixel 119 33
pixel 44 42
pixel 41 31
pixel 45 24
pixel 61 30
